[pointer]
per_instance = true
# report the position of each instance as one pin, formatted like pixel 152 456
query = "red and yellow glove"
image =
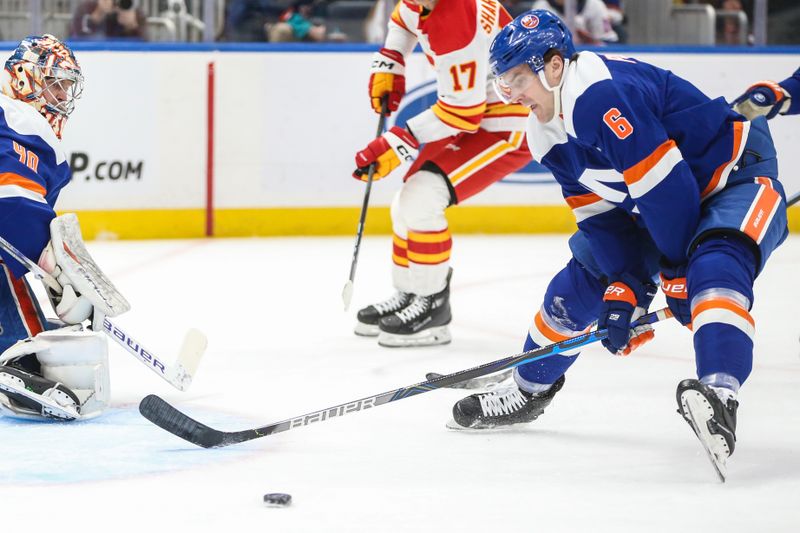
pixel 387 152
pixel 387 77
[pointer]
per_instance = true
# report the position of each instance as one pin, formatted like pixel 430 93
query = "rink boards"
pixel 270 150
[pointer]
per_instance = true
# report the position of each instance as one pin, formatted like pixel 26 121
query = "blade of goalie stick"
pixel 165 416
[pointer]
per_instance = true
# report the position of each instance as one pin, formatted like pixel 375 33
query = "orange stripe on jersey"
pixel 9 178
pixel 765 181
pixel 582 200
pixel 488 156
pixel 500 109
pixel 738 127
pixel 458 122
pixel 429 259
pixel 397 18
pixel 463 111
pixel 27 309
pixel 720 303
pixel 547 331
pixel 761 213
pixel 640 169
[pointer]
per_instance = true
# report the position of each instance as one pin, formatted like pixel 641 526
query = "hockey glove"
pixel 387 77
pixel 626 300
pixel 387 152
pixel 70 306
pixel 673 285
pixel 763 98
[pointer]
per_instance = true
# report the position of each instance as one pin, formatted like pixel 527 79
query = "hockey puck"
pixel 277 499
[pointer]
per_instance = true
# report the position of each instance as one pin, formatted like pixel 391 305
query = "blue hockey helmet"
pixel 527 39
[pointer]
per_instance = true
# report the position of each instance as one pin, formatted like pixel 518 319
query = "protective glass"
pixel 510 85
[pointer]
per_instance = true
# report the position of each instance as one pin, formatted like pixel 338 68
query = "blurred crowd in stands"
pixel 596 22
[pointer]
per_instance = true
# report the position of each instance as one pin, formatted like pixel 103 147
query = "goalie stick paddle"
pixel 170 419
pixel 179 374
pixel 347 291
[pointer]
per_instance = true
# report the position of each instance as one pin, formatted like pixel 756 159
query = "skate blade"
pixel 452 424
pixel 485 382
pixel 699 412
pixel 366 330
pixel 50 408
pixel 428 337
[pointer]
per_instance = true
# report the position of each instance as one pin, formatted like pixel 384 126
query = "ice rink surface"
pixel 610 453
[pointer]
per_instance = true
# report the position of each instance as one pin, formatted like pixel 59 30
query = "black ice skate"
pixel 27 395
pixel 422 323
pixel 713 421
pixel 368 318
pixel 505 405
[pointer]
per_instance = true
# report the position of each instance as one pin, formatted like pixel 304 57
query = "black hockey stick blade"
pixel 167 417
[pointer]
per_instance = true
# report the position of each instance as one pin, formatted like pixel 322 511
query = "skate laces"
pixel 418 306
pixel 502 401
pixel 394 303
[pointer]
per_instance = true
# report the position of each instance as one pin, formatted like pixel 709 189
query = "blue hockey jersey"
pixel 637 148
pixel 792 86
pixel 33 170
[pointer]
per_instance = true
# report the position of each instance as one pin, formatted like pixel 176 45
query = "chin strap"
pixel 555 90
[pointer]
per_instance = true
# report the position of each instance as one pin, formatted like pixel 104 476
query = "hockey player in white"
pixel 47 370
pixel 471 139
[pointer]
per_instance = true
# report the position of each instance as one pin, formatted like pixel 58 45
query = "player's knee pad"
pixel 423 200
pixel 571 304
pixel 722 262
pixel 74 357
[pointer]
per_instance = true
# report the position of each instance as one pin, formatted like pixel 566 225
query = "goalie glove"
pixel 86 292
pixel 387 152
pixel 387 77
pixel 626 300
pixel 765 98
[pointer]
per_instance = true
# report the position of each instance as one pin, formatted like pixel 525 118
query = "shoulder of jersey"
pixel 582 74
pixel 24 120
pixel 453 25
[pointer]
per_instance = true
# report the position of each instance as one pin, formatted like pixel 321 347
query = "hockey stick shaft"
pixel 178 375
pixel 347 293
pixel 167 417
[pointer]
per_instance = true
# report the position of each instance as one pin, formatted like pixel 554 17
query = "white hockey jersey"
pixel 455 37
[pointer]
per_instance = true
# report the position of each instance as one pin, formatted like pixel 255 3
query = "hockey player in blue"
pixel 769 99
pixel 661 178
pixel 47 370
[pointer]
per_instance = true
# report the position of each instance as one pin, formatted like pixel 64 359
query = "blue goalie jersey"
pixel 33 170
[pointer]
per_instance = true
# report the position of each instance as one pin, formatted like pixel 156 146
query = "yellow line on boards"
pixel 311 221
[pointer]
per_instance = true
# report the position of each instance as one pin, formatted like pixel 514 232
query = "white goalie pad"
pixel 80 269
pixel 75 357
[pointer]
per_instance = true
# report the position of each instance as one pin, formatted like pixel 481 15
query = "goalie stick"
pixel 179 374
pixel 347 291
pixel 170 419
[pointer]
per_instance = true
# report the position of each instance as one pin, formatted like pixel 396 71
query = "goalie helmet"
pixel 44 73
pixel 527 39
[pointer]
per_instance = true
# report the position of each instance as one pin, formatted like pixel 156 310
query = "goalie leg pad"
pixel 75 358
